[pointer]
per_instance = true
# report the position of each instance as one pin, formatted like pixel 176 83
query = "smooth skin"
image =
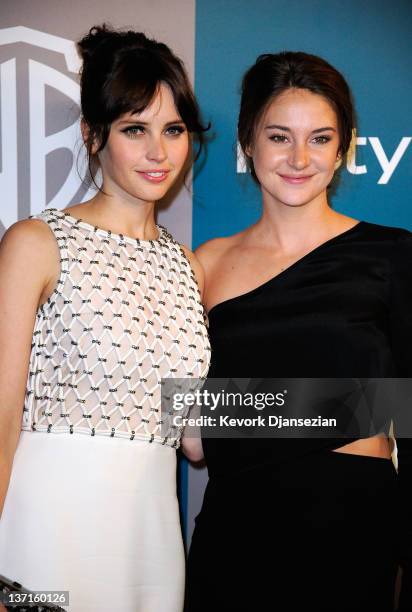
pixel 156 142
pixel 295 154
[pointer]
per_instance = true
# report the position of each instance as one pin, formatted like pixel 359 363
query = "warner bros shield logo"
pixel 41 157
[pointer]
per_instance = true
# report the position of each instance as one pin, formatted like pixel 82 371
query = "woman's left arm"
pixel 192 446
pixel 401 340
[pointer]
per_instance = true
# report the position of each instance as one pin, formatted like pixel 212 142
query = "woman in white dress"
pixel 98 303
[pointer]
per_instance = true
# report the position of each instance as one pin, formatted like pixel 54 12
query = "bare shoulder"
pixel 31 235
pixel 29 248
pixel 212 252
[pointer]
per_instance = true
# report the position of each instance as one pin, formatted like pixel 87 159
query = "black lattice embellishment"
pixel 99 362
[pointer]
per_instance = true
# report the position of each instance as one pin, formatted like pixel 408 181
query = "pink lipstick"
pixel 295 180
pixel 155 176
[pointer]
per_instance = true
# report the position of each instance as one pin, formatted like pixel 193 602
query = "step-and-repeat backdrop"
pixel 40 149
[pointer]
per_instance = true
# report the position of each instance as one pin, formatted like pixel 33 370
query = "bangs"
pixel 134 85
pixel 126 80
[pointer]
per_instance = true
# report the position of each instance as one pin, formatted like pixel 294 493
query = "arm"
pixel 401 340
pixel 192 447
pixel 26 268
pixel 205 263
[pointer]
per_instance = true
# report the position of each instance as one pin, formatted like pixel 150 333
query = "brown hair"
pixel 272 74
pixel 122 72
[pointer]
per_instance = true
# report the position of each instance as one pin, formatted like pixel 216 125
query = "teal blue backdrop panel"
pixel 369 42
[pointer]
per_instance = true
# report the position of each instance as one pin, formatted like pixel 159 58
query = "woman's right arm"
pixel 203 263
pixel 28 260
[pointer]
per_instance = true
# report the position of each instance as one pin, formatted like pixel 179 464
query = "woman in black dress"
pixel 297 524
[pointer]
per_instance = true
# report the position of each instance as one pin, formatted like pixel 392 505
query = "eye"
pixel 279 138
pixel 321 139
pixel 132 131
pixel 175 130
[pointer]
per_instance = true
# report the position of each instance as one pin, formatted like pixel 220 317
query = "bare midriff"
pixel 376 446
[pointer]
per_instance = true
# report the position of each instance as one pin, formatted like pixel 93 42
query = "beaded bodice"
pixel 124 314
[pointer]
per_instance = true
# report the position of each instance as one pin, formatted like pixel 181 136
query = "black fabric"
pixel 293 539
pixel 343 310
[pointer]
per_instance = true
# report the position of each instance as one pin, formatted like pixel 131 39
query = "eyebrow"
pixel 136 121
pixel 286 129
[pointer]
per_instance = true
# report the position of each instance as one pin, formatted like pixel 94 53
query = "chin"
pixel 159 188
pixel 296 204
pixel 296 201
pixel 157 192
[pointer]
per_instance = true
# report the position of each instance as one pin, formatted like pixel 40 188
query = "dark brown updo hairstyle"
pixel 272 74
pixel 122 72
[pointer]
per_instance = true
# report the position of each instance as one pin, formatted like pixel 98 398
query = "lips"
pixel 154 176
pixel 295 180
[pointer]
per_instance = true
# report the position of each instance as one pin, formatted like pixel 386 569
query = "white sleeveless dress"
pixel 92 507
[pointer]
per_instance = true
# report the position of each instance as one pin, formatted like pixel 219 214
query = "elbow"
pixel 192 449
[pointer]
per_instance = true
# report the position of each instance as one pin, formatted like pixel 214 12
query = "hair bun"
pixel 104 35
pixel 89 43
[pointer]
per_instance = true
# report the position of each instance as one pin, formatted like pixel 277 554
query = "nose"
pixel 299 157
pixel 156 150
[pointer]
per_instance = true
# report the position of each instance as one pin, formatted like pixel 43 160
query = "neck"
pixel 296 228
pixel 122 216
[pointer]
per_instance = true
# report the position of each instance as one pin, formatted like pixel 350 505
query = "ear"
pixel 249 151
pixel 338 162
pixel 85 130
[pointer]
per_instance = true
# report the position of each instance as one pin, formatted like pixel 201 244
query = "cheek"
pixel 110 156
pixel 179 151
pixel 264 156
pixel 267 162
pixel 185 145
pixel 326 160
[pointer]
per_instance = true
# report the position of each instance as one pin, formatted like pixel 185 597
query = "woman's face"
pixel 145 152
pixel 296 148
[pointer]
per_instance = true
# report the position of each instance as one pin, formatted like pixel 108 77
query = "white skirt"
pixel 97 517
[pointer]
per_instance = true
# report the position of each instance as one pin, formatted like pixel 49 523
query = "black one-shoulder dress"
pixel 288 524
